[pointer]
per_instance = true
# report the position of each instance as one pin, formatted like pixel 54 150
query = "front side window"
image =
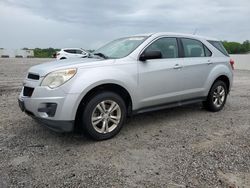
pixel 121 47
pixel 167 46
pixel 193 48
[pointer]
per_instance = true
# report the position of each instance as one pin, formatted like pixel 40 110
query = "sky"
pixel 90 24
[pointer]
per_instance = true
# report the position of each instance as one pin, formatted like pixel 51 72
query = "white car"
pixel 67 53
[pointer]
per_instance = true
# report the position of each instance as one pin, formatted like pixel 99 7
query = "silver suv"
pixel 128 76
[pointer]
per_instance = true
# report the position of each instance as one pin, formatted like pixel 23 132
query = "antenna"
pixel 195 31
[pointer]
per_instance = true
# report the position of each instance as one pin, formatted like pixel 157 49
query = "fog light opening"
pixel 48 108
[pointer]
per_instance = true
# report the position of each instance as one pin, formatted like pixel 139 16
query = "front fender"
pixel 87 79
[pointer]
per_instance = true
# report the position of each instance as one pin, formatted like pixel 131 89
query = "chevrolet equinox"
pixel 128 76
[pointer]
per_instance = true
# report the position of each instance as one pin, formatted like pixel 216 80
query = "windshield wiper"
pixel 101 55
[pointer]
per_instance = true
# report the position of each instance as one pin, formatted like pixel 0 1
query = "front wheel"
pixel 104 115
pixel 217 97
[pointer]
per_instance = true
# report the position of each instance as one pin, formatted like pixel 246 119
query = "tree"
pixel 236 47
pixel 246 46
pixel 44 53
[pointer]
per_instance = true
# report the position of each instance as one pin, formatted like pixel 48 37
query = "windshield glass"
pixel 121 47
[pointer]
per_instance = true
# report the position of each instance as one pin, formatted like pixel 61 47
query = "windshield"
pixel 121 47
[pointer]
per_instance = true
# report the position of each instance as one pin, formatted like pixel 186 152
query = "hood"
pixel 45 68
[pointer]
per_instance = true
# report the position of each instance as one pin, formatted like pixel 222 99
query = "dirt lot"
pixel 180 147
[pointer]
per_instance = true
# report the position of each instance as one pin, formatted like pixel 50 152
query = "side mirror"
pixel 150 55
pixel 85 54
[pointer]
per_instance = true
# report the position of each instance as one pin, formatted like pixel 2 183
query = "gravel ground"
pixel 179 147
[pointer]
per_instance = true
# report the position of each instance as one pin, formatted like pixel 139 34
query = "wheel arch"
pixel 219 72
pixel 116 88
pixel 225 79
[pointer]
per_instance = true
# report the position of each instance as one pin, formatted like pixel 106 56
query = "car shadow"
pixel 38 134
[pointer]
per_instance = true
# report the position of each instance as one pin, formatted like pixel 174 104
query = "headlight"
pixel 57 78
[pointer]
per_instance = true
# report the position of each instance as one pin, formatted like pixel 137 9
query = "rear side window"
pixel 208 53
pixel 193 48
pixel 70 51
pixel 167 46
pixel 79 52
pixel 219 46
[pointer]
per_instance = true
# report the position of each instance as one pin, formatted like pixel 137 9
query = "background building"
pixel 18 53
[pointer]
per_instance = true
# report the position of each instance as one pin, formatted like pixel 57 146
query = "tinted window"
pixel 208 53
pixel 79 52
pixel 219 46
pixel 193 48
pixel 70 51
pixel 167 46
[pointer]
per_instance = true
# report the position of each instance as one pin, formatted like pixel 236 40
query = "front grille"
pixel 33 76
pixel 27 91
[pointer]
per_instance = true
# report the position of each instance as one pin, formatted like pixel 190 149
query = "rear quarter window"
pixel 219 46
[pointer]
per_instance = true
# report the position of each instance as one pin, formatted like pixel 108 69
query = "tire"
pixel 217 97
pixel 104 115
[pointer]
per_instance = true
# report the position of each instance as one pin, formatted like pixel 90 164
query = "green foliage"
pixel 236 47
pixel 246 46
pixel 45 53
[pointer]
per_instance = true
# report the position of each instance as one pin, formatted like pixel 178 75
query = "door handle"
pixel 177 66
pixel 209 62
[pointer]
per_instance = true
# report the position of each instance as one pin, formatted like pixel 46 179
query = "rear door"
pixel 197 64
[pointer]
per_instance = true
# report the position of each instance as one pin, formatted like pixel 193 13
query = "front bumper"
pixel 52 107
pixel 55 125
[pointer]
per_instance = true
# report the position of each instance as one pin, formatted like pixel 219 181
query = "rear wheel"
pixel 217 97
pixel 104 115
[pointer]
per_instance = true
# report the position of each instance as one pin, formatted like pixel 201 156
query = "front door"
pixel 159 79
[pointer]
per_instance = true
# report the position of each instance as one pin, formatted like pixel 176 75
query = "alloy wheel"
pixel 219 96
pixel 106 116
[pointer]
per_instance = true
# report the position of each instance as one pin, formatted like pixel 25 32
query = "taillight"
pixel 232 63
